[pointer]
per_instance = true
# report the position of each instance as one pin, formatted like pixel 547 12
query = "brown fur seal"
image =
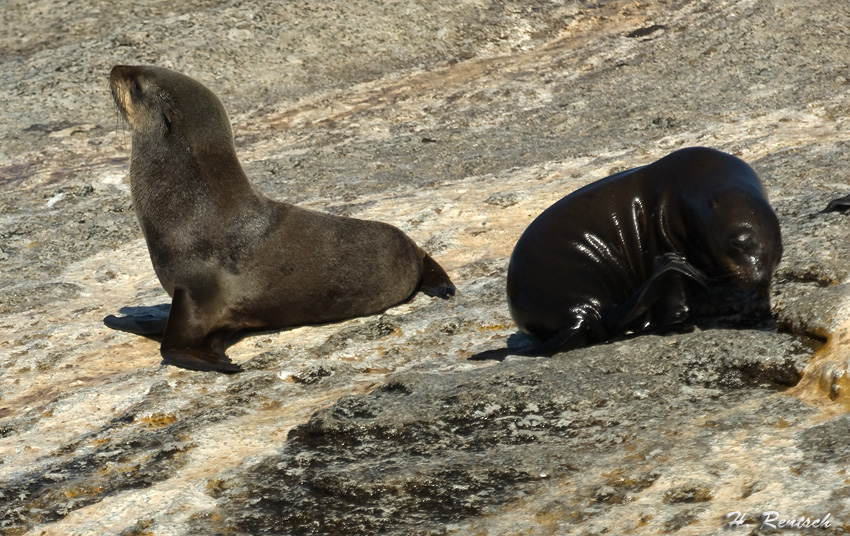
pixel 618 255
pixel 232 259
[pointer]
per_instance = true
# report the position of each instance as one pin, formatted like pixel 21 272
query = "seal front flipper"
pixel 669 269
pixel 190 342
pixel 838 205
pixel 138 324
pixel 203 359
pixel 435 281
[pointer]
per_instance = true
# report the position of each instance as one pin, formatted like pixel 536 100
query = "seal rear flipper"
pixel 435 281
pixel 189 341
pixel 567 338
pixel 140 325
pixel 669 269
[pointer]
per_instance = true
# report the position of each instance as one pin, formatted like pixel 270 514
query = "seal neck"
pixel 193 182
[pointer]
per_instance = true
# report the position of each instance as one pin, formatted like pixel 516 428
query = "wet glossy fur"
pixel 616 256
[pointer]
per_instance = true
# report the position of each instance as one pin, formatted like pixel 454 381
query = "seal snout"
pixel 117 86
pixel 123 72
pixel 122 80
pixel 757 279
pixel 756 273
pixel 117 72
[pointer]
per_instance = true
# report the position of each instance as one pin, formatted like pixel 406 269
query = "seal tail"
pixel 435 281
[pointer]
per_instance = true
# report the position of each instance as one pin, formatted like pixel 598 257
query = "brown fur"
pixel 231 258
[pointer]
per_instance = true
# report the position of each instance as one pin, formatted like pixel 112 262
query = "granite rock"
pixel 457 122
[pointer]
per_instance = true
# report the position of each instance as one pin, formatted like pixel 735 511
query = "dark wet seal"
pixel 232 259
pixel 625 254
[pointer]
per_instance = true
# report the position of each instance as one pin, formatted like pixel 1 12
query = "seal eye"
pixel 741 242
pixel 166 118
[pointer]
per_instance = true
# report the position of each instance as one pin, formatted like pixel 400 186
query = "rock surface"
pixel 457 122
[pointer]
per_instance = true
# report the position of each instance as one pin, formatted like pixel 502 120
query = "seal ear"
pixel 136 90
pixel 167 117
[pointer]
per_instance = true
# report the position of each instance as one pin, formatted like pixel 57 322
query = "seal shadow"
pixel 150 321
pixel 518 343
